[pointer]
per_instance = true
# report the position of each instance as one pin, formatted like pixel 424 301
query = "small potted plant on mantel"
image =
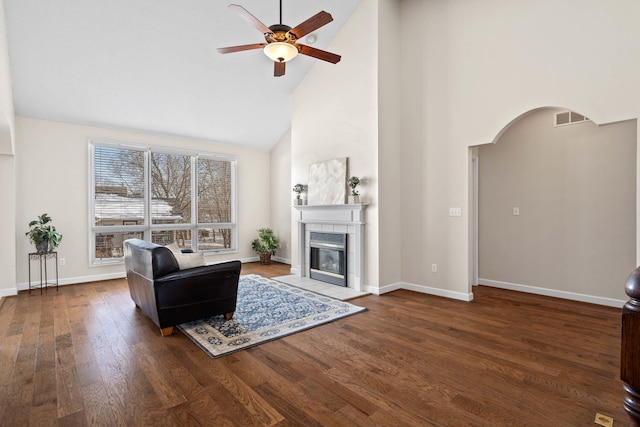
pixel 43 234
pixel 265 245
pixel 298 188
pixel 355 195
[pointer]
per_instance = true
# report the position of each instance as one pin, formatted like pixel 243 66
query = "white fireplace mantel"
pixel 347 219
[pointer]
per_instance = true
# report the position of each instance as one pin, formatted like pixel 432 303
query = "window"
pixel 162 196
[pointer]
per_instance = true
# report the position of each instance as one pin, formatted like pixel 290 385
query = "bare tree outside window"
pixel 171 182
pixel 214 199
pixel 126 167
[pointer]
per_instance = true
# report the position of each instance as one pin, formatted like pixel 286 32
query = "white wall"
pixel 575 189
pixel 281 189
pixel 389 181
pixel 7 168
pixel 335 114
pixel 52 177
pixel 468 69
pixel 7 114
pixel 412 148
pixel 7 225
pixel 482 65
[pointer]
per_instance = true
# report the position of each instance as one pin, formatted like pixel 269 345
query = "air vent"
pixel 564 118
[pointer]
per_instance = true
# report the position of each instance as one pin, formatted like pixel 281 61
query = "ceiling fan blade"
pixel 316 21
pixel 278 68
pixel 319 54
pixel 241 48
pixel 250 18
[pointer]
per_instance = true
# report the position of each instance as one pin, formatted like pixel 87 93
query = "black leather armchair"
pixel 170 296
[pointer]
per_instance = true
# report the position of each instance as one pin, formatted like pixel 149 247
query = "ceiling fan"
pixel 281 40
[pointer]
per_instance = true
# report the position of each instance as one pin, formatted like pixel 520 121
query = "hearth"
pixel 328 261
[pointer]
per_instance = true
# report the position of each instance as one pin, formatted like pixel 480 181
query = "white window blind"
pixel 119 185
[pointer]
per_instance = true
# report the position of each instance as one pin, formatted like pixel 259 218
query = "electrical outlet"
pixel 62 261
pixel 516 211
pixel 603 420
pixel 434 268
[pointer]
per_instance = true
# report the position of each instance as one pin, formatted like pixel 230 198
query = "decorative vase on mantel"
pixel 298 188
pixel 354 198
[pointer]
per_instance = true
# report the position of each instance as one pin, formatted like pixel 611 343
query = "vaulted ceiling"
pixel 152 65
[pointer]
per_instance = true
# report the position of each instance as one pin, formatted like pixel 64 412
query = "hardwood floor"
pixel 86 356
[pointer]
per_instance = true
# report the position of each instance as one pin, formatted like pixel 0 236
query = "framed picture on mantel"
pixel 327 182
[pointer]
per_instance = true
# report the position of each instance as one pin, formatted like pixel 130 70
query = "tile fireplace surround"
pixel 347 219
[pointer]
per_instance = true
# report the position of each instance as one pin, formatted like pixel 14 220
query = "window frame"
pixel 147 228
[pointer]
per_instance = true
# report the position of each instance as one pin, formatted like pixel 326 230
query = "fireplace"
pixel 328 260
pixel 333 219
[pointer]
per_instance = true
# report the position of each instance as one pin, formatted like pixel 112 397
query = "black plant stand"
pixel 42 262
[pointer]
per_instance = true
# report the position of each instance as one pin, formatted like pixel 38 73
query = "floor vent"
pixel 564 118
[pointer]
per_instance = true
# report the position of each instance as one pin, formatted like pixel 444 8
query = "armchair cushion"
pixel 186 260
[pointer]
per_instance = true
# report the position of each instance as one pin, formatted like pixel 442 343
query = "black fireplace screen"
pixel 329 261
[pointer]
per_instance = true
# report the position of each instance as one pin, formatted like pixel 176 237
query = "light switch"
pixel 455 211
pixel 516 211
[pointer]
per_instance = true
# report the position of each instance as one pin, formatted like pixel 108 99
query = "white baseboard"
pixel 410 287
pixel 275 258
pixel 282 260
pixel 379 290
pixel 553 293
pixel 422 289
pixel 8 292
pixel 384 289
pixel 85 279
pixel 80 279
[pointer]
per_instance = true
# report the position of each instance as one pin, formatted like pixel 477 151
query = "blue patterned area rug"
pixel 266 310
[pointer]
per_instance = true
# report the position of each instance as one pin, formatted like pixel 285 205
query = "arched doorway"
pixel 556 207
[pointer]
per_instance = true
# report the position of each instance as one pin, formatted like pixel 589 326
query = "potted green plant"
pixel 298 188
pixel 265 245
pixel 355 195
pixel 43 234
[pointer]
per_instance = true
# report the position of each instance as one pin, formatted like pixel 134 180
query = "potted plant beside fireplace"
pixel 265 245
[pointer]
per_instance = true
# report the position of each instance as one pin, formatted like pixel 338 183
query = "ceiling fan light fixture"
pixel 280 51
